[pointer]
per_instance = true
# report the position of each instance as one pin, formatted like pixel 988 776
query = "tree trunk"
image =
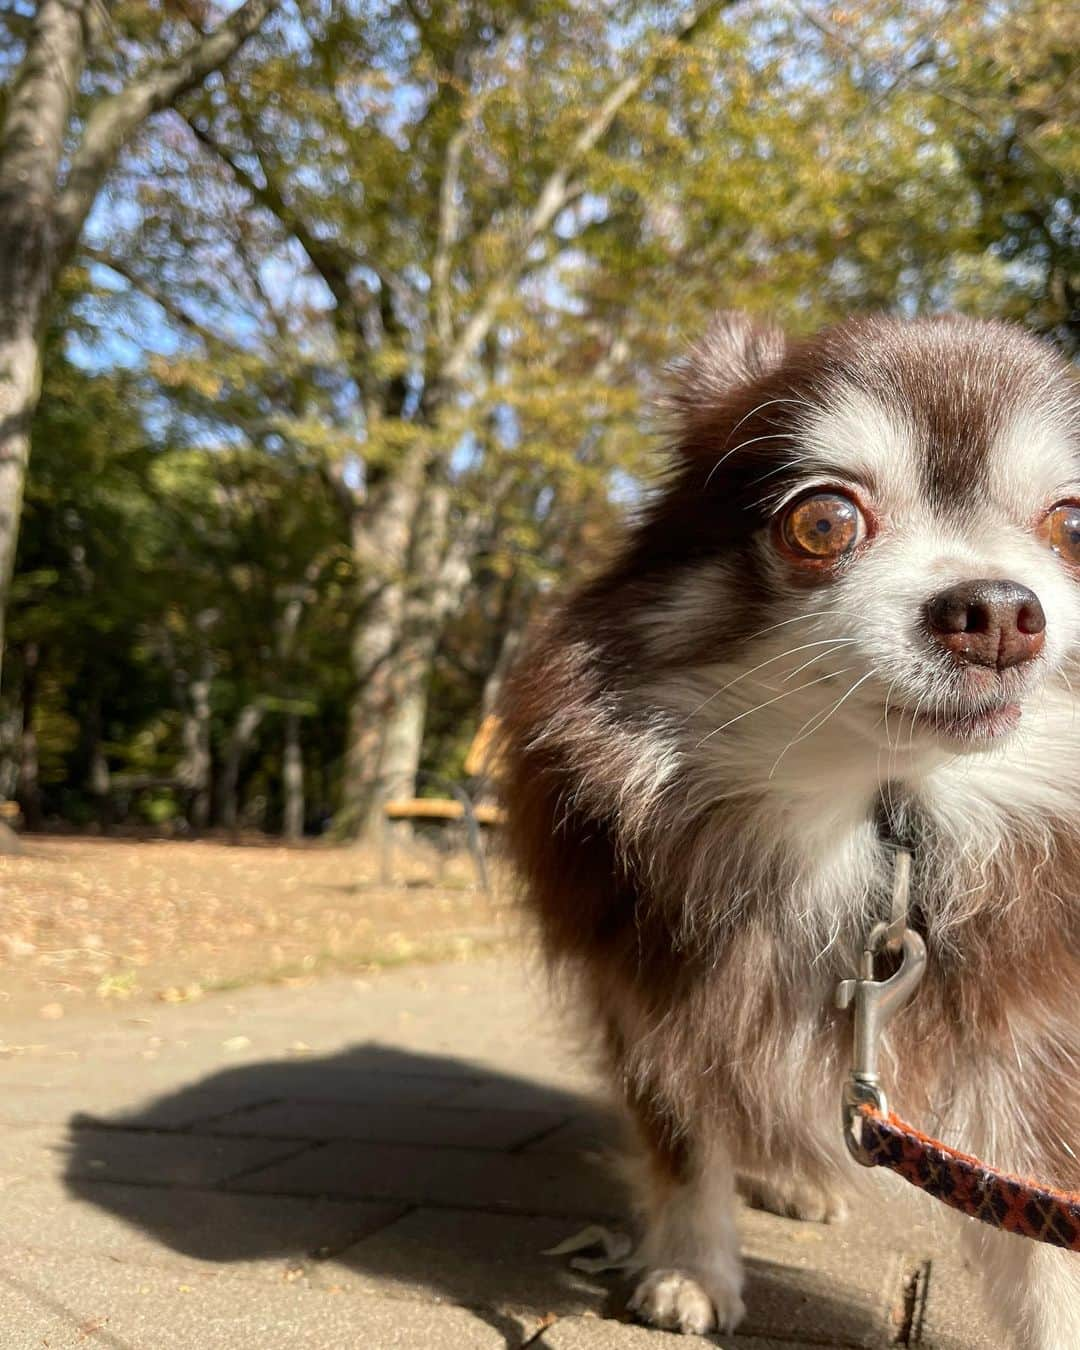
pixel 381 540
pixel 195 765
pixel 373 650
pixel 513 621
pixel 100 781
pixel 29 787
pixel 39 106
pixel 10 746
pixel 18 395
pixel 10 741
pixel 403 728
pixel 40 219
pixel 240 739
pixel 384 534
pixel 92 760
pixel 40 223
pixel 293 780
pixel 439 574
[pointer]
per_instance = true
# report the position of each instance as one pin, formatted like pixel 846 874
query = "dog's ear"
pixel 735 351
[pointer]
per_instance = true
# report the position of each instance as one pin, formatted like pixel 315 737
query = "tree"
pixel 169 603
pixel 418 279
pixel 1015 102
pixel 82 588
pixel 66 118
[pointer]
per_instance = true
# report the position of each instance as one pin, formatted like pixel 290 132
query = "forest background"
pixel 329 332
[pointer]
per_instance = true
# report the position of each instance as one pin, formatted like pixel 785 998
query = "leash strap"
pixel 877 1138
pixel 1011 1203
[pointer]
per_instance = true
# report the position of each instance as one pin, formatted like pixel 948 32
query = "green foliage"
pixel 137 562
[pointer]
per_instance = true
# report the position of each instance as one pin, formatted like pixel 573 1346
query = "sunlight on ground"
pixel 89 920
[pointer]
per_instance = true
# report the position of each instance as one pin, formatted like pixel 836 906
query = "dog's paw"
pixel 793 1200
pixel 677 1302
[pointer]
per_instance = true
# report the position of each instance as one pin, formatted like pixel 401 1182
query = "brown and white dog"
pixel 856 599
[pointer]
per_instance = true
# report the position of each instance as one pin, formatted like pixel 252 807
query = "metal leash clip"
pixel 876 1003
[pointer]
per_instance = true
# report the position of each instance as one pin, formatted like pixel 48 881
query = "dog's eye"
pixel 824 526
pixel 1061 531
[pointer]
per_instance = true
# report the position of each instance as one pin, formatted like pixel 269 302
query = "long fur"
pixel 702 744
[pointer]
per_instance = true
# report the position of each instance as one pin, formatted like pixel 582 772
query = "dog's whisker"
pixel 745 675
pixel 802 618
pixel 832 675
pixel 914 720
pixel 834 709
pixel 837 645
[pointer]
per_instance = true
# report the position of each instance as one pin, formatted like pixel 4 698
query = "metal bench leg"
pixel 476 848
pixel 386 845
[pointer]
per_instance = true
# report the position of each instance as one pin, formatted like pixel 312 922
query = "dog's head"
pixel 869 545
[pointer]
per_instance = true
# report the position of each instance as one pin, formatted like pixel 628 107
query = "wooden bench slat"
pixel 439 808
pixel 489 815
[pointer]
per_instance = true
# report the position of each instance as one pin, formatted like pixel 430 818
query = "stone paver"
pixel 593 1333
pixel 951 1316
pixel 826 1284
pixel 260 1235
pixel 475 1178
pixel 375 1163
pixel 483 1260
pixel 83 1304
pixel 490 1096
pixel 595 1134
pixel 31 1319
pixel 130 1155
pixel 381 1123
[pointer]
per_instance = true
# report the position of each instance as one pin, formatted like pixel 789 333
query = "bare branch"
pixel 451 182
pixel 447 235
pixel 333 263
pixel 556 192
pixel 330 261
pixel 255 281
pixel 114 118
pixel 902 72
pixel 160 298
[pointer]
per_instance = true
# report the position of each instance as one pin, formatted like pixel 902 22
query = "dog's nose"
pixel 988 623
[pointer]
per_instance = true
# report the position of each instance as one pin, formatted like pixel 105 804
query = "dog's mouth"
pixel 970 726
pixel 991 722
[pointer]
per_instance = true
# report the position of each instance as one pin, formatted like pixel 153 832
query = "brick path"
pixel 369 1164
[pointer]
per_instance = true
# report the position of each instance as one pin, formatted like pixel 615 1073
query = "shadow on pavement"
pixel 383 1171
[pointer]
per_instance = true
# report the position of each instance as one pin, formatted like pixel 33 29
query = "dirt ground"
pixel 93 921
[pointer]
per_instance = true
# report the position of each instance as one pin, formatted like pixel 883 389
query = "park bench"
pixel 460 807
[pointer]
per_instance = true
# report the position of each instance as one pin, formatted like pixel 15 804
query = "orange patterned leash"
pixel 877 1138
pixel 1012 1203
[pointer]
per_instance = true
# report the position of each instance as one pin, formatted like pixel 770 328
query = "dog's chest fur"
pixel 986 1054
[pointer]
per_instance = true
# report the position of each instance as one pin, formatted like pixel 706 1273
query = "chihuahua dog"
pixel 850 616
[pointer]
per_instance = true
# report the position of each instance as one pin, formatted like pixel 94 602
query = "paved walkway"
pixel 368 1164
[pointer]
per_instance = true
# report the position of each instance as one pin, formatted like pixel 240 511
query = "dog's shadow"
pixel 382 1170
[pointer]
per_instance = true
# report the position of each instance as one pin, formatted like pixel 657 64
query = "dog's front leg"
pixel 690 1275
pixel 1034 1288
